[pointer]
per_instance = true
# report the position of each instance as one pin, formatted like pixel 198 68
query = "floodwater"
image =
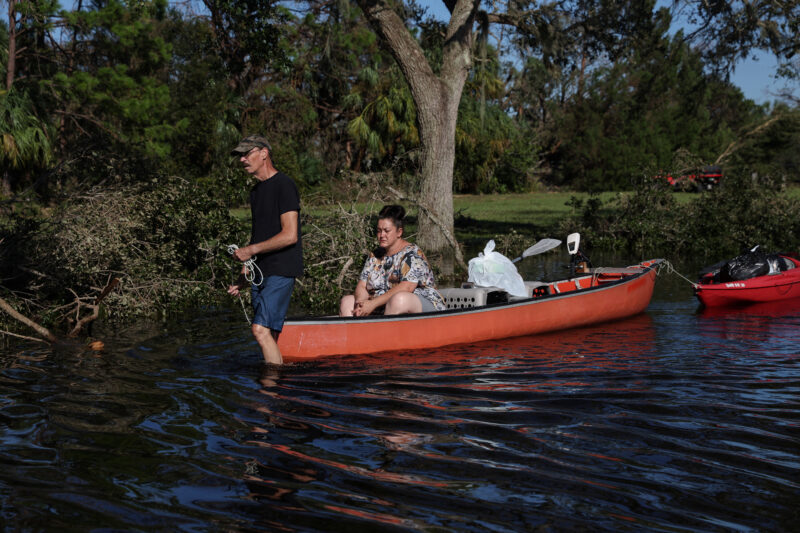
pixel 673 420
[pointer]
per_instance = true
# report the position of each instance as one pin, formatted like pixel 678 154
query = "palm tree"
pixel 24 143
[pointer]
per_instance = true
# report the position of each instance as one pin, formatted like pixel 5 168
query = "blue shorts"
pixel 271 301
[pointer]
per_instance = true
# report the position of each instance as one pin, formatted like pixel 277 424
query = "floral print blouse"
pixel 409 264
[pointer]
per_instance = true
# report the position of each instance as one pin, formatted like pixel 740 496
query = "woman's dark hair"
pixel 396 213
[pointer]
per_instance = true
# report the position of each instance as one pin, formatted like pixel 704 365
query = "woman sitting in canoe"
pixel 396 278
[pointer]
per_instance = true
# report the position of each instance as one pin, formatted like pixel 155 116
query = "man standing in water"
pixel 274 242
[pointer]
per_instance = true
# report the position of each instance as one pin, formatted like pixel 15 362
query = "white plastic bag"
pixel 493 269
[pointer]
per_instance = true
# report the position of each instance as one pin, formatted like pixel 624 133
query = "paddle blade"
pixel 540 247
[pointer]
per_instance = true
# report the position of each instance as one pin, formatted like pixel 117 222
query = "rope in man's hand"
pixel 250 267
pixel 249 274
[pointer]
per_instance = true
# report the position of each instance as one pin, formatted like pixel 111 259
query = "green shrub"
pixel 164 240
pixel 746 210
pixel 742 212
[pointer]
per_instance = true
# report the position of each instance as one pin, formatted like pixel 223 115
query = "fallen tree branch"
pixel 17 335
pixel 334 260
pixel 80 322
pixel 31 271
pixel 16 315
pixel 738 143
pixel 340 277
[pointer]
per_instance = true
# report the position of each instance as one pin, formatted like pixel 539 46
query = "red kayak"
pixel 779 284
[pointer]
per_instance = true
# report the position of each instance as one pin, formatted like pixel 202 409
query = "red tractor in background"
pixel 705 180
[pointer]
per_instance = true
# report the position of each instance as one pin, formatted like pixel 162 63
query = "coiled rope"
pixel 668 268
pixel 250 270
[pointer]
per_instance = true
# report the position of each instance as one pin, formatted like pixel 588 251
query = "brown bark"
pixel 80 321
pixel 16 315
pixel 437 99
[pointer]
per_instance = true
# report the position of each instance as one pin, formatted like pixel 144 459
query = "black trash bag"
pixel 775 263
pixel 748 265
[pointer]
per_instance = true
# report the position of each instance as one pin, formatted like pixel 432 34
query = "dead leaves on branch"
pixel 335 244
pixel 141 250
pixel 78 314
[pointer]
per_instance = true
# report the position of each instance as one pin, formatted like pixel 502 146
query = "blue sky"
pixel 755 77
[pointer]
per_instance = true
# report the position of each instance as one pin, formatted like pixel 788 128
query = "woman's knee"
pixel 403 302
pixel 346 305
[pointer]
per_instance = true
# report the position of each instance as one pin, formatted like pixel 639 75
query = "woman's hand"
pixel 364 307
pixel 361 295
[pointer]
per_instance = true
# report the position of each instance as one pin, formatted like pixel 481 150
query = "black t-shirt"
pixel 269 199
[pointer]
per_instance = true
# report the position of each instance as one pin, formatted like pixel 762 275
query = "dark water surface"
pixel 674 420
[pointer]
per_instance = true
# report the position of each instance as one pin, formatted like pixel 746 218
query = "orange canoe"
pixel 601 295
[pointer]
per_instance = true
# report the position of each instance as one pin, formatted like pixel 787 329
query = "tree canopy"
pixel 117 118
pixel 580 94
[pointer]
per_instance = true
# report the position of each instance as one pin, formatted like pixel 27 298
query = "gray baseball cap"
pixel 250 142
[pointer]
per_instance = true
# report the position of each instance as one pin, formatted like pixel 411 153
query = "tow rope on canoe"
pixel 670 269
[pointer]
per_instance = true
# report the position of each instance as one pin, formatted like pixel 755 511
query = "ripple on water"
pixel 673 420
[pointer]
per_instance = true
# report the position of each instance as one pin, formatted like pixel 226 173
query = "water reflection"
pixel 764 311
pixel 767 326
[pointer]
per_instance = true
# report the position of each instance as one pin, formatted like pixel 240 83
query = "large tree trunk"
pixel 437 115
pixel 437 99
